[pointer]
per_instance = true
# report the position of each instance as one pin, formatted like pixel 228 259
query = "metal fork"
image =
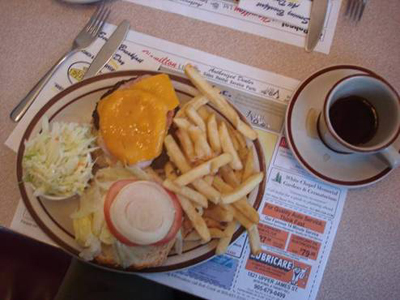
pixel 355 9
pixel 84 39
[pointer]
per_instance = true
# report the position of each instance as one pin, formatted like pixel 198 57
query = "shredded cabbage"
pixel 179 243
pixel 57 161
pixel 89 224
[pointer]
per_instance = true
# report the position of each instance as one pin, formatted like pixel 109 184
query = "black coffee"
pixel 354 119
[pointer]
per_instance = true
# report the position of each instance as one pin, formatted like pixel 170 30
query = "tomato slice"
pixel 113 192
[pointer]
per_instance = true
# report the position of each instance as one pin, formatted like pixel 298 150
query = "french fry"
pixel 241 218
pixel 193 174
pixel 210 92
pixel 223 243
pixel 254 239
pixel 182 111
pixel 219 213
pixel 214 164
pixel 210 166
pixel 180 114
pixel 177 157
pixel 234 140
pixel 240 138
pixel 238 175
pixel 204 113
pixel 242 205
pixel 229 176
pixel 211 223
pixel 246 130
pixel 193 236
pixel 186 192
pixel 195 118
pixel 217 233
pixel 221 185
pixel 201 147
pixel 214 233
pixel 243 189
pixel 228 147
pixel 209 179
pixel 198 222
pixel 207 190
pixel 199 152
pixel 219 161
pixel 170 171
pixel 219 101
pixel 227 207
pixel 213 135
pixel 243 154
pixel 153 174
pixel 186 143
pixel 248 169
pixel 175 154
pixel 198 102
pixel 182 123
pixel 247 210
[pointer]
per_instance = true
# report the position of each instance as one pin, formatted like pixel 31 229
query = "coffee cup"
pixel 361 115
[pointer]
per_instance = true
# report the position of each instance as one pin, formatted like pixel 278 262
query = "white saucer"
pixel 349 170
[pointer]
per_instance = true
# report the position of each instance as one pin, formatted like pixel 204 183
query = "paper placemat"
pixel 227 13
pixel 298 214
pixel 294 12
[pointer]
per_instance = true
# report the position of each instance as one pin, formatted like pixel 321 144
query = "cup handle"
pixel 391 155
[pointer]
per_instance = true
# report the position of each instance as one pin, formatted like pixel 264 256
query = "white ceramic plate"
pixel 349 170
pixel 76 104
pixel 80 1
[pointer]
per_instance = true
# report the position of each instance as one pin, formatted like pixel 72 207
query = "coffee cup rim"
pixel 333 132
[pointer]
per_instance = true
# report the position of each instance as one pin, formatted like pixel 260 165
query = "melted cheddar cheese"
pixel 133 121
pixel 133 125
pixel 160 86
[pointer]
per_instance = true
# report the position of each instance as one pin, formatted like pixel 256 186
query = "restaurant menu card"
pixel 229 14
pixel 294 12
pixel 299 215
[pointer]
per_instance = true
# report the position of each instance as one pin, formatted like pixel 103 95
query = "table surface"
pixel 364 262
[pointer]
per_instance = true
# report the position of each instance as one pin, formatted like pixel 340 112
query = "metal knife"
pixel 107 51
pixel 319 9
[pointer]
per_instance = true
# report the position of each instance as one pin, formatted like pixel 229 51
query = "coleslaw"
pixel 57 161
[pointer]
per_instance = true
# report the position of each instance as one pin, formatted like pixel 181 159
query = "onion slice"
pixel 142 213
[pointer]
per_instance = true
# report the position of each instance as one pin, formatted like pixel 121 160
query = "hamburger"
pixel 139 219
pixel 133 118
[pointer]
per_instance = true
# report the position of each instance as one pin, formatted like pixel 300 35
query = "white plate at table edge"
pixel 299 151
pixel 80 1
pixel 95 87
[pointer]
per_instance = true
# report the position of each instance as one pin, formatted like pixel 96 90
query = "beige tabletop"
pixel 364 262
